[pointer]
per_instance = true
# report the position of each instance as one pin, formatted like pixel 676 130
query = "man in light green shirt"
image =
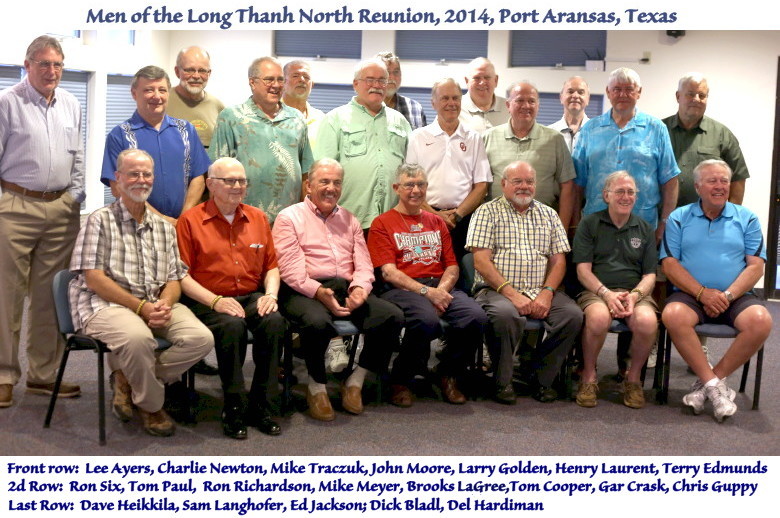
pixel 369 140
pixel 269 139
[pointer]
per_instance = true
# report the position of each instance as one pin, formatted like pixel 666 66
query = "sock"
pixel 316 388
pixel 357 377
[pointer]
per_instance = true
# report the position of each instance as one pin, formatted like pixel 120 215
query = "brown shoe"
pixel 122 406
pixel 319 406
pixel 402 396
pixel 47 389
pixel 158 423
pixel 450 392
pixel 6 395
pixel 352 399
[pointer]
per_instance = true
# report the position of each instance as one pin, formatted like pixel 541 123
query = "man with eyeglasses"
pixel 616 262
pixel 696 137
pixel 409 108
pixel 232 287
pixel 519 246
pixel 190 101
pixel 268 137
pixel 413 250
pixel 369 140
pixel 482 109
pixel 297 88
pixel 180 159
pixel 126 293
pixel 42 183
pixel 627 139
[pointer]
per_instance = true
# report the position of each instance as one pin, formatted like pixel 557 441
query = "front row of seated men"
pixel 319 268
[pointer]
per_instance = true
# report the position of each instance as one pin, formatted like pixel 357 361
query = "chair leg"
pixel 666 367
pixel 57 384
pixel 757 381
pixel 101 399
pixel 743 380
pixel 287 365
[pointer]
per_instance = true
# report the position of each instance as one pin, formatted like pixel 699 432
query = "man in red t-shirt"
pixel 413 249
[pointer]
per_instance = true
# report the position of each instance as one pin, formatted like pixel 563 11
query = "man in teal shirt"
pixel 369 140
pixel 269 138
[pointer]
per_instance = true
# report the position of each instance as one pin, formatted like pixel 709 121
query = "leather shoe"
pixel 233 422
pixel 158 423
pixel 545 394
pixel 352 399
pixel 6 395
pixel 401 396
pixel 205 369
pixel 505 395
pixel 47 389
pixel 319 406
pixel 450 392
pixel 262 420
pixel 122 406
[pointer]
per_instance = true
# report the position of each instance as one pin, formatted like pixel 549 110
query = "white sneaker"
pixel 696 398
pixel 652 359
pixel 336 357
pixel 722 404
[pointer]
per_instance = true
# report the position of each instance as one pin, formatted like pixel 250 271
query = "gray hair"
pixel 410 170
pixel 43 42
pixel 254 68
pixel 572 78
pixel 185 50
pixel 518 83
pixel 614 177
pixel 444 81
pixel 514 164
pixel 388 57
pixel 708 163
pixel 321 163
pixel 624 75
pixel 294 63
pixel 224 161
pixel 151 73
pixel 120 158
pixel 367 63
pixel 696 77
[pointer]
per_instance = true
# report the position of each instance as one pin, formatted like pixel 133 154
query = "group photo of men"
pixel 449 234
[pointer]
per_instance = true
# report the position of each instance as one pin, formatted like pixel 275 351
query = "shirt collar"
pixel 138 122
pixel 468 105
pixel 435 129
pixel 212 211
pixel 312 207
pixel 124 214
pixel 356 104
pixel 532 135
pixel 728 210
pixel 35 96
pixel 633 220
pixel 509 206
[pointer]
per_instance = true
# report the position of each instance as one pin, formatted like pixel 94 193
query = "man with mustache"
pixel 369 140
pixel 519 246
pixel 126 292
pixel 297 88
pixel 575 97
pixel 190 101
pixel 180 159
pixel 409 108
pixel 268 137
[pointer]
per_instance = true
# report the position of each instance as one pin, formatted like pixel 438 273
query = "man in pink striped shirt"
pixel 327 274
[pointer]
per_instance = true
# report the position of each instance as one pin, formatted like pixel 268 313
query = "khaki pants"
pixel 36 241
pixel 133 349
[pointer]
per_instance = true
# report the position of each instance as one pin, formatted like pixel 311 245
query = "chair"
pixel 82 342
pixel 714 331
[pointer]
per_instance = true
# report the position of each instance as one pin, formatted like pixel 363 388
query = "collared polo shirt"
pixel 230 259
pixel 641 147
pixel 453 163
pixel 713 251
pixel 569 136
pixel 707 140
pixel 176 150
pixel 370 148
pixel 619 256
pixel 543 148
pixel 522 243
pixel 480 121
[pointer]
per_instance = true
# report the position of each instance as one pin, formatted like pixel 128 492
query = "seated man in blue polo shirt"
pixel 713 252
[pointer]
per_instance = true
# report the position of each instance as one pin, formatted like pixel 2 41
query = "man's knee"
pixel 677 315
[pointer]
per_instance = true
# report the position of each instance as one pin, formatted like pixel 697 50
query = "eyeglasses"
pixel 199 71
pixel 297 77
pixel 230 182
pixel 135 175
pixel 374 81
pixel 44 65
pixel 408 186
pixel 625 192
pixel 623 90
pixel 517 182
pixel 482 79
pixel 268 81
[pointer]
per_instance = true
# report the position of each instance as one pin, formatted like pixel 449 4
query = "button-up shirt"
pixel 411 110
pixel 313 246
pixel 40 143
pixel 140 257
pixel 230 259
pixel 370 148
pixel 521 242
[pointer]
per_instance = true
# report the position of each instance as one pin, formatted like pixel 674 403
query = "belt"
pixel 41 195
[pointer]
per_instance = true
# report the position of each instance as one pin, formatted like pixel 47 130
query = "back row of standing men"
pixel 271 140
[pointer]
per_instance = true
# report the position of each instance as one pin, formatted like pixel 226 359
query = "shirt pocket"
pixel 355 142
pixel 397 140
pixel 71 137
pixel 707 153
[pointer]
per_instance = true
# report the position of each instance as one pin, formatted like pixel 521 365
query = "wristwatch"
pixel 424 290
pixel 729 296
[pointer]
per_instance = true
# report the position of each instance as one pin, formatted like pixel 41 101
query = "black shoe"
pixel 205 369
pixel 260 418
pixel 545 394
pixel 505 395
pixel 180 402
pixel 233 422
